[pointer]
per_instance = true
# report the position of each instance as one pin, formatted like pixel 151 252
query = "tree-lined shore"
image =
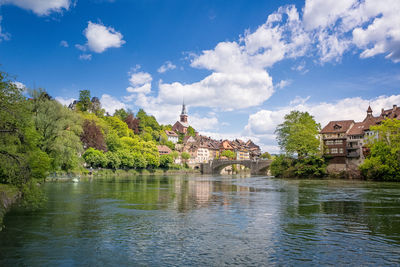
pixel 39 136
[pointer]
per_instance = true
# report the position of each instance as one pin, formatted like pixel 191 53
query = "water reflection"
pixel 207 220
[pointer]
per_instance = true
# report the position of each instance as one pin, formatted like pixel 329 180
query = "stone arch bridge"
pixel 215 166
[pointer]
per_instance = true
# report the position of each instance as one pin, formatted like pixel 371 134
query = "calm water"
pixel 207 221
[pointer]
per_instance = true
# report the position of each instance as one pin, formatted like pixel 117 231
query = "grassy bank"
pixel 8 195
pixel 119 173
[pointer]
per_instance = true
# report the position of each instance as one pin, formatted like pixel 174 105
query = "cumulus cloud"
pixel 263 123
pixel 239 70
pixel 339 25
pixel 140 83
pixel 283 84
pixel 201 123
pixel 100 38
pixel 110 104
pixel 64 43
pixel 65 101
pixel 40 7
pixel 166 66
pixel 3 35
pixel 19 85
pixel 85 57
pixel 239 76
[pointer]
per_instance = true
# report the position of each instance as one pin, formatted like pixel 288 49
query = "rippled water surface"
pixel 207 221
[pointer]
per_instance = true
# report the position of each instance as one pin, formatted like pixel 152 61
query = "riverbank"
pixel 8 195
pixel 117 173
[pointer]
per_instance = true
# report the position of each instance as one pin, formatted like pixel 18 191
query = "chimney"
pixel 394 107
pixel 382 111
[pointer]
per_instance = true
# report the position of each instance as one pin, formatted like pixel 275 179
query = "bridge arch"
pixel 215 166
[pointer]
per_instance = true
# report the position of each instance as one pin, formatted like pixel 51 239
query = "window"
pixel 338 142
pixel 340 150
pixel 329 142
pixel 334 150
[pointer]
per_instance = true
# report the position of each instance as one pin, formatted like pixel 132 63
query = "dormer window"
pixel 337 126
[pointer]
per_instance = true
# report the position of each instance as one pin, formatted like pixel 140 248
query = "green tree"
pixel 383 162
pixel 191 131
pixel 84 103
pixel 185 156
pixel 18 137
pixel 120 127
pixel 165 160
pixel 139 160
pixel 113 160
pixel 147 121
pixel 229 154
pixel 174 154
pixel 298 134
pixel 265 155
pixel 95 158
pixel 309 167
pixel 59 129
pixel 122 114
pixel 127 158
pixel 152 160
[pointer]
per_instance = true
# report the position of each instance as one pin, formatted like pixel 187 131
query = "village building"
pixel 254 150
pixel 182 125
pixel 172 136
pixel 334 140
pixel 344 143
pixel 225 145
pixel 164 150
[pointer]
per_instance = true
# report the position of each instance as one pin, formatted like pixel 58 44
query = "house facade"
pixel 344 143
pixel 172 136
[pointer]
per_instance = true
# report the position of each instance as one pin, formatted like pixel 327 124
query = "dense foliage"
pixel 383 162
pixel 38 136
pixel 298 134
pixel 228 154
pixel 308 167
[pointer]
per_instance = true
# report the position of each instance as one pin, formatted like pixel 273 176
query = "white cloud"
pixel 140 78
pixel 85 57
pixel 19 85
pixel 201 123
pixel 81 47
pixel 110 104
pixel 100 37
pixel 64 43
pixel 283 83
pixel 239 76
pixel 40 7
pixel 339 25
pixel 3 35
pixel 263 123
pixel 65 101
pixel 140 83
pixel 166 66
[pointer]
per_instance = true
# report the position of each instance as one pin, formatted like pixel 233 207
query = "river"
pixel 207 221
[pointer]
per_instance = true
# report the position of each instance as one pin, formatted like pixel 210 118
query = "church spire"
pixel 369 111
pixel 184 116
pixel 183 108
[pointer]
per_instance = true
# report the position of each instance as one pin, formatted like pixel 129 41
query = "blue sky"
pixel 239 65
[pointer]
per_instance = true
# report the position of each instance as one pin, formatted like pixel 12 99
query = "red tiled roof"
pixel 164 149
pixel 171 133
pixel 357 129
pixel 337 126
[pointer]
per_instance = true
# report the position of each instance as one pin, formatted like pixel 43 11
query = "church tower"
pixel 184 115
pixel 369 112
